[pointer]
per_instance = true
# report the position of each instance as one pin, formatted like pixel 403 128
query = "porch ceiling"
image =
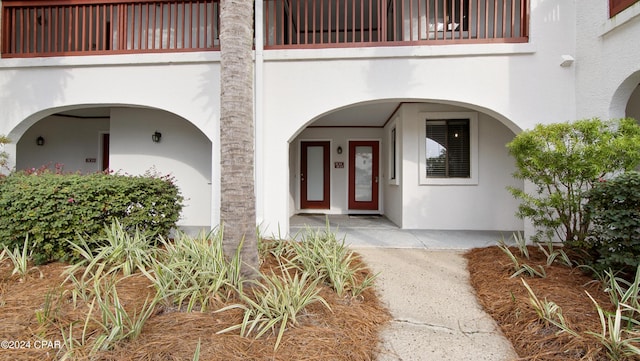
pixel 363 115
pixel 94 112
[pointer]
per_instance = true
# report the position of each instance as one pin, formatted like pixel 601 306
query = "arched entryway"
pixel 379 154
pixel 76 140
pixel 124 139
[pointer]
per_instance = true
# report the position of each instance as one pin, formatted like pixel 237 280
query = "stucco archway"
pixel 403 197
pixel 89 138
pixel 626 98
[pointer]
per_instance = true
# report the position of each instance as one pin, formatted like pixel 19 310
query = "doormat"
pixel 365 216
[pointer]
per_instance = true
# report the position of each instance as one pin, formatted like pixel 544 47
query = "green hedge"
pixel 614 209
pixel 52 208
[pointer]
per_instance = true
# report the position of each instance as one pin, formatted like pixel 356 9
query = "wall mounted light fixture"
pixel 40 141
pixel 566 61
pixel 156 137
pixel 339 150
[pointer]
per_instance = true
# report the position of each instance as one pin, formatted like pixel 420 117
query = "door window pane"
pixel 364 173
pixel 315 173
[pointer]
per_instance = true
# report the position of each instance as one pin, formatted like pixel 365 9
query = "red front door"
pixel 363 175
pixel 315 175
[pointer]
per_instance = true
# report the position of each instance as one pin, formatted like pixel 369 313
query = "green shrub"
pixel 52 208
pixel 614 209
pixel 563 161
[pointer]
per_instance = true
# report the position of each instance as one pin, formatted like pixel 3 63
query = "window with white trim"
pixel 448 148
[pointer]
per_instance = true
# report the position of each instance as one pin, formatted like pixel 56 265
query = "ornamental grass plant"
pixel 192 272
pixel 320 253
pixel 566 315
pixel 180 298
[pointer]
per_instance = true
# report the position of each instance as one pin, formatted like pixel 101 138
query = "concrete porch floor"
pixel 378 231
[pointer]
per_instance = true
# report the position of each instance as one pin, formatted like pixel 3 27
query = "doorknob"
pixel 376 180
pixel 302 177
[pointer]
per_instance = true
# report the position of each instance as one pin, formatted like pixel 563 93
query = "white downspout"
pixel 258 112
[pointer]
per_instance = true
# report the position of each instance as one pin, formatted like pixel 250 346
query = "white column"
pixel 11 150
pixel 260 187
pixel 215 174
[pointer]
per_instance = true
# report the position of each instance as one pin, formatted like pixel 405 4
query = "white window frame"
pixel 473 147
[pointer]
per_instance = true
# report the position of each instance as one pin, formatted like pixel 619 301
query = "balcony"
pixel 69 27
pixel 36 28
pixel 358 23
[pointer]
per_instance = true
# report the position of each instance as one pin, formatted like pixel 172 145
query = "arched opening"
pixel 75 140
pixel 124 139
pixel 632 110
pixel 625 101
pixel 380 163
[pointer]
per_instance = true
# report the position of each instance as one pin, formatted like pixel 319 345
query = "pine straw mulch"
pixel 349 332
pixel 507 301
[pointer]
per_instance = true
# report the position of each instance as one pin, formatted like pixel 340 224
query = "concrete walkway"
pixel 424 282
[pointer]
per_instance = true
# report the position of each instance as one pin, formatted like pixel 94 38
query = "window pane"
pixel 448 149
pixel 436 149
pixel 458 149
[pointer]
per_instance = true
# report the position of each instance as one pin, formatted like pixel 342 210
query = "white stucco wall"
pixel 72 142
pixel 607 66
pixel 184 84
pixel 392 188
pixel 183 152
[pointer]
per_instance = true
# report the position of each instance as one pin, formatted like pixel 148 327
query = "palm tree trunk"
pixel 238 205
